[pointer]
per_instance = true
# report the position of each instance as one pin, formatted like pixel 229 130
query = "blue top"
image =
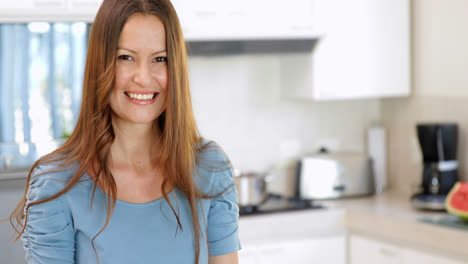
pixel 61 230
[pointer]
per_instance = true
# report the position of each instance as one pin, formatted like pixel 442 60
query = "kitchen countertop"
pixel 390 216
pixel 386 217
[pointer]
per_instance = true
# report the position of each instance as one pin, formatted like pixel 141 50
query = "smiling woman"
pixel 135 182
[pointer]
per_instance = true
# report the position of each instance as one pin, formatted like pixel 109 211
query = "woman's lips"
pixel 141 101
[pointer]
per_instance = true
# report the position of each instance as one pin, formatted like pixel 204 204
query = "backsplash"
pixel 239 102
pixel 400 117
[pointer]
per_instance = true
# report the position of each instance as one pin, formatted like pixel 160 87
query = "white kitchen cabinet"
pixel 22 11
pixel 248 254
pixel 201 20
pixel 85 7
pixel 363 52
pixel 330 250
pixel 369 251
pixel 13 5
pixel 30 10
pixel 215 20
pixel 412 256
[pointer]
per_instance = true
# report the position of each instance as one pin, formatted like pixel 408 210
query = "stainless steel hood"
pixel 263 46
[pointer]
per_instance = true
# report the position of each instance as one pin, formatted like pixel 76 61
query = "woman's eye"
pixel 160 59
pixel 124 57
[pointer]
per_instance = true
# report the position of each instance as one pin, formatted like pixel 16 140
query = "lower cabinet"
pixel 330 250
pixel 419 257
pixel 363 250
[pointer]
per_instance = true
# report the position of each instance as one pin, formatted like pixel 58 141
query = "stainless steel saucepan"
pixel 251 187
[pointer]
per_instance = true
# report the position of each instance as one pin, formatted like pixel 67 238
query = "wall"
pixel 240 103
pixel 440 89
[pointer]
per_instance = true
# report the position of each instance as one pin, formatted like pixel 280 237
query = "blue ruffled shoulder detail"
pixel 49 235
pixel 217 178
pixel 212 163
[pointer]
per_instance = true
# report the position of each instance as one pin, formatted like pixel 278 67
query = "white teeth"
pixel 141 96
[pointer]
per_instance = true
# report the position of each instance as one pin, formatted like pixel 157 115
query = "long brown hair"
pixel 90 142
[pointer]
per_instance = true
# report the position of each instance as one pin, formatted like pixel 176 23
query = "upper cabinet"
pixel 206 20
pixel 361 48
pixel 48 10
pixel 201 20
pixel 363 52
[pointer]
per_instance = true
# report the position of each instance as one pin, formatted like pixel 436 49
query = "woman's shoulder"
pixel 209 150
pixel 214 166
pixel 47 180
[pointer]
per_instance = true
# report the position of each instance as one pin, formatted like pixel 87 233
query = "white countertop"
pixel 388 216
pixel 391 217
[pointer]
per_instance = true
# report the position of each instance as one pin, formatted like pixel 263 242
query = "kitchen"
pixel 263 99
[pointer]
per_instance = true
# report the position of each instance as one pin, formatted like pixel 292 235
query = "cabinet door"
pixel 274 19
pixel 318 250
pixel 18 4
pixel 244 19
pixel 84 9
pixel 412 256
pixel 367 251
pixel 201 19
pixel 27 6
pixel 364 49
pixel 48 10
pixel 248 255
pixel 85 5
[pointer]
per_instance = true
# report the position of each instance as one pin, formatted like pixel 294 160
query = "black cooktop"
pixel 277 203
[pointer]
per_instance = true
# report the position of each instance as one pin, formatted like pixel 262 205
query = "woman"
pixel 135 183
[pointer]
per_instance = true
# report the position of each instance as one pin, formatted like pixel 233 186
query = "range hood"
pixel 264 46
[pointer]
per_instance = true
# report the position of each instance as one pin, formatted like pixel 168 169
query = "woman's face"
pixel 140 85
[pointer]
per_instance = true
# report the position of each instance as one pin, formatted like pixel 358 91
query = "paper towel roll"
pixel 376 147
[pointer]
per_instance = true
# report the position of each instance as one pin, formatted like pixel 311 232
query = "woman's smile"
pixel 141 98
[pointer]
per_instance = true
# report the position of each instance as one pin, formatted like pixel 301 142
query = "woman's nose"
pixel 142 75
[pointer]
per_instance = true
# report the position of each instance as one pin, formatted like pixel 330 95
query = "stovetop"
pixel 277 203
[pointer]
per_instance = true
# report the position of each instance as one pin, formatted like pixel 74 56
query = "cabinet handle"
pixel 205 14
pixel 388 252
pixel 272 251
pixel 91 4
pixel 48 3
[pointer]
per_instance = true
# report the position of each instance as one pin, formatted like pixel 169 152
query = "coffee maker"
pixel 438 144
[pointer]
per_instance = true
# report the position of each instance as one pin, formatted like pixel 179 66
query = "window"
pixel 41 77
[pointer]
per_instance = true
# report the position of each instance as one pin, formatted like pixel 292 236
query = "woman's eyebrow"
pixel 161 51
pixel 126 49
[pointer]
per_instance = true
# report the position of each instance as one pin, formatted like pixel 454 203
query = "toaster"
pixel 334 175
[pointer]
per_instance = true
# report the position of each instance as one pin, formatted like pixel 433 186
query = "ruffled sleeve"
pixel 49 237
pixel 223 215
